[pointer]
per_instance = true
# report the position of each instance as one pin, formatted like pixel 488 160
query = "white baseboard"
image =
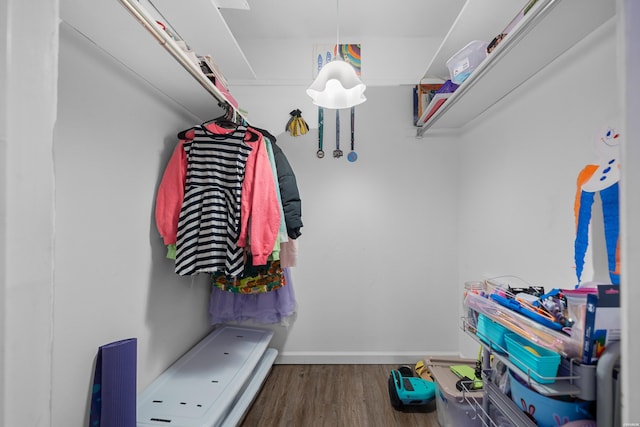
pixel 355 358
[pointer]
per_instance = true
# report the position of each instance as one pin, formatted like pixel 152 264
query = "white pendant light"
pixel 337 85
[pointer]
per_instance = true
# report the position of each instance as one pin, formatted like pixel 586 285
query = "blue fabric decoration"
pixel 611 214
pixel 611 217
pixel 582 231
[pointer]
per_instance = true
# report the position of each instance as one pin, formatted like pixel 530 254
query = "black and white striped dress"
pixel 208 227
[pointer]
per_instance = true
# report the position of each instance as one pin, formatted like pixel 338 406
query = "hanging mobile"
pixel 352 156
pixel 320 153
pixel 337 153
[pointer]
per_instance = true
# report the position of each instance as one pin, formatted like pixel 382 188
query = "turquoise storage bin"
pixel 492 333
pixel 543 366
pixel 548 411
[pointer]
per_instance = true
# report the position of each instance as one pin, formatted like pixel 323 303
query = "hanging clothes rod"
pixel 149 22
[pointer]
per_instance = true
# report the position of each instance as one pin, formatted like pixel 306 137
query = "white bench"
pixel 211 385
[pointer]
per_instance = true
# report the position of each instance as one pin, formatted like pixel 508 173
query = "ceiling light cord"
pixel 337 28
pixel 337 85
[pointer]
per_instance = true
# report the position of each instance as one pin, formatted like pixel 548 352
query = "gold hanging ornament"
pixel 296 125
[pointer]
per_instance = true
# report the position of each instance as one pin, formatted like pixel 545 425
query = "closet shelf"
pixel 111 28
pixel 559 342
pixel 548 29
pixel 504 404
pixel 562 386
pixel 183 20
pixel 201 24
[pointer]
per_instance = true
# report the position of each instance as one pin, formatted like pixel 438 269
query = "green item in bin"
pixel 462 371
pixel 467 376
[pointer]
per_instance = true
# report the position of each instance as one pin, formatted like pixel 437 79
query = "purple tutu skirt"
pixel 267 308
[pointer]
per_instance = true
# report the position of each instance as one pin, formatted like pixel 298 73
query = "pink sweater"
pixel 170 195
pixel 260 208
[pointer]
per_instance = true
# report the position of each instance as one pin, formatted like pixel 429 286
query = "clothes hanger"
pixel 226 120
pixel 230 119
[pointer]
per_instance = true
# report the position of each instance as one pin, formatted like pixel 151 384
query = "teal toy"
pixel 406 389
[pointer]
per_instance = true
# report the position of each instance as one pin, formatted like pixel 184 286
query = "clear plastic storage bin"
pixel 463 63
pixel 454 408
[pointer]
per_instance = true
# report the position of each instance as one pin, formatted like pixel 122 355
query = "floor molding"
pixel 353 358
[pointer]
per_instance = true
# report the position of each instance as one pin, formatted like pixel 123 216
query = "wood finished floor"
pixel 332 396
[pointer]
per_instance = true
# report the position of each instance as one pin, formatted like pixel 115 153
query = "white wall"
pixel 4 15
pixel 521 162
pixel 114 135
pixel 368 224
pixel 377 254
pixel 29 39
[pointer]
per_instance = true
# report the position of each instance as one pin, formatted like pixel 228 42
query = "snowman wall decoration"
pixel 601 178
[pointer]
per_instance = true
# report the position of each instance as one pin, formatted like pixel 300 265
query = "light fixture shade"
pixel 337 86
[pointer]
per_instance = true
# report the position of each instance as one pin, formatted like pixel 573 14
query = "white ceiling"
pixel 357 18
pixel 247 50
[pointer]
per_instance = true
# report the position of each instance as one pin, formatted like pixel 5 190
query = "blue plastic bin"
pixel 491 332
pixel 541 363
pixel 548 411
